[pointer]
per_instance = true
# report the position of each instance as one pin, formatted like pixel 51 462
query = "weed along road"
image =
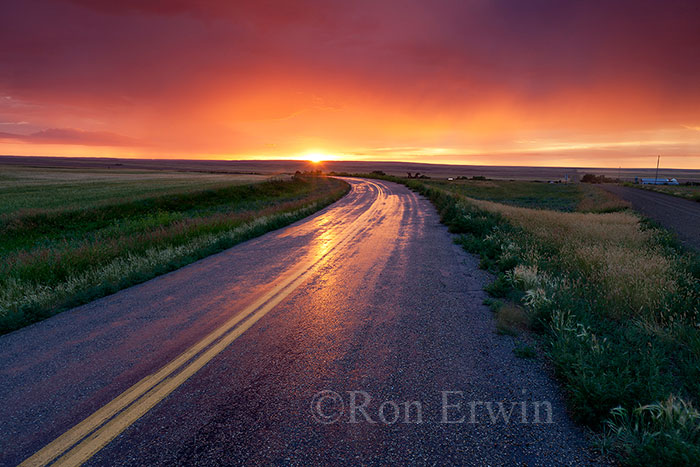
pixel 357 335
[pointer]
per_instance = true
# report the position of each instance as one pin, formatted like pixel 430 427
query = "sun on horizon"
pixel 316 157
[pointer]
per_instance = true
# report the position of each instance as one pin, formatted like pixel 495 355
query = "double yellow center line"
pixel 81 442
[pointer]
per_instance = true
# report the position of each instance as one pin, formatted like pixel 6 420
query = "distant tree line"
pixel 416 175
pixel 591 178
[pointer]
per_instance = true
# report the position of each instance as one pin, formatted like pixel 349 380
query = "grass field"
pixel 23 188
pixel 66 238
pixel 615 302
pixel 556 196
pixel 691 192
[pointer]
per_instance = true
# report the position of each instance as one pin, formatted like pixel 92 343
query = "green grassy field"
pixel 66 239
pixel 24 188
pixel 556 196
pixel 615 304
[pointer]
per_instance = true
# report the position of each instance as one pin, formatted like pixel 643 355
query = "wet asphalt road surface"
pixel 680 216
pixel 375 350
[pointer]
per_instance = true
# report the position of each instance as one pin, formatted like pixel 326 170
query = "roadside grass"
pixel 616 303
pixel 54 259
pixel 691 192
pixel 524 351
pixel 595 199
pixel 512 319
pixel 642 433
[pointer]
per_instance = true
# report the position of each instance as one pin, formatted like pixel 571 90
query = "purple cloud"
pixel 71 136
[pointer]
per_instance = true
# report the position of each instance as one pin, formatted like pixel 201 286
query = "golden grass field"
pixel 610 248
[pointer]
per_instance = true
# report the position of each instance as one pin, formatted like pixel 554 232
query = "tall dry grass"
pixel 595 199
pixel 611 250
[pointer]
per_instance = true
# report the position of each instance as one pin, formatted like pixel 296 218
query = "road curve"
pixel 354 336
pixel 681 216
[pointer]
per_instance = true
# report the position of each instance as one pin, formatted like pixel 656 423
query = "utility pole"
pixel 656 179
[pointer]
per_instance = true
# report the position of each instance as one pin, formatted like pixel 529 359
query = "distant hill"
pixel 393 168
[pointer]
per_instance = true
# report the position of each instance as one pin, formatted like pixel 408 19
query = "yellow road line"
pixel 68 439
pixel 100 438
pixel 97 430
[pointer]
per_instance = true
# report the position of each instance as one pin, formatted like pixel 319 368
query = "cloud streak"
pixel 72 136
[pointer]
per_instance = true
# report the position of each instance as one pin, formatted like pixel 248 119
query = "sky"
pixel 588 83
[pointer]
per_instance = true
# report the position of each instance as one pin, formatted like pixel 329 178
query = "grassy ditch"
pixel 616 304
pixel 54 259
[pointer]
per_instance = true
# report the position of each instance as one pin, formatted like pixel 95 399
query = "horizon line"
pixel 301 160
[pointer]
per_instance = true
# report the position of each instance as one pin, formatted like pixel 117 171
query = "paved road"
pixel 225 361
pixel 679 215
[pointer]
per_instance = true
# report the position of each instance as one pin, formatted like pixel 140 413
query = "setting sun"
pixel 316 157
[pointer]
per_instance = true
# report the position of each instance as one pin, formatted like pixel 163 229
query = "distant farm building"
pixel 657 181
